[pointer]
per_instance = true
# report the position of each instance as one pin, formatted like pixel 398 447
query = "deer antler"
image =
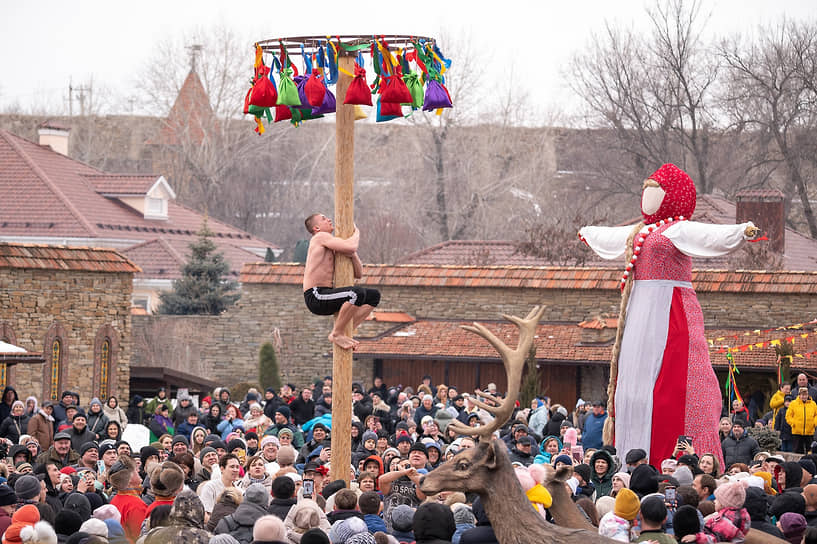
pixel 514 362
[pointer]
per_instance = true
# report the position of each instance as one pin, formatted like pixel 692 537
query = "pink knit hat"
pixel 731 495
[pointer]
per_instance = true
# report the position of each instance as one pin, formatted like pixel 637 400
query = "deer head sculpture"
pixel 487 469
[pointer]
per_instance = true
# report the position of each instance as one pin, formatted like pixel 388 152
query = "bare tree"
pixel 771 89
pixel 654 92
pixel 222 59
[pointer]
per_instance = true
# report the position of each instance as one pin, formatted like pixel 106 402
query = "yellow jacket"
pixel 802 416
pixel 776 403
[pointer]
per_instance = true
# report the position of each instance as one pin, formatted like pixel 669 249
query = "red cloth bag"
pixel 358 91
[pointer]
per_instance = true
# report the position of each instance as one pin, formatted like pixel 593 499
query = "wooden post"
pixel 344 273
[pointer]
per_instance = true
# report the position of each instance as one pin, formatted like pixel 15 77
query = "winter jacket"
pixel 41 427
pixel 781 425
pixel 538 419
pixel 150 406
pixel 545 458
pixel 135 413
pixel 554 426
pixel 160 425
pixel 280 507
pixel 776 403
pixel 80 438
pixel 322 408
pixel 181 412
pixel 302 410
pixel 375 523
pixel 421 412
pixel 116 414
pixel 615 527
pixel 227 425
pixel 602 482
pixel 13 426
pixel 593 431
pixel 239 524
pixel 728 524
pixel 739 449
pixel 51 455
pixel 97 423
pixel 802 417
pixel 5 409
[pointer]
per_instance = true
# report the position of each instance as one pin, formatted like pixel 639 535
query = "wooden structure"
pixel 344 217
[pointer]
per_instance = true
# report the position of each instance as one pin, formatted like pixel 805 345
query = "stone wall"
pixel 225 348
pixel 36 304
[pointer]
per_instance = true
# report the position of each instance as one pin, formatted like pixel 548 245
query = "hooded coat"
pixel 758 507
pixel 239 524
pixel 41 427
pixel 14 426
pixel 135 413
pixel 5 408
pixel 602 482
pixel 116 413
pixel 554 426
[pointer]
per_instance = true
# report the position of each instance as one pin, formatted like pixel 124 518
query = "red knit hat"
pixel 680 194
pixel 26 516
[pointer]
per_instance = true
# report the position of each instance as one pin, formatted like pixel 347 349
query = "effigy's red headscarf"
pixel 680 194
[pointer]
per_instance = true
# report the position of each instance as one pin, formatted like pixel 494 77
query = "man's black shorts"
pixel 327 301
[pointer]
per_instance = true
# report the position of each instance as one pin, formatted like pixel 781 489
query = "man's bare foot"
pixel 343 341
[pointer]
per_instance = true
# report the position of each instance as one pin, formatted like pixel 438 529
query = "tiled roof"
pixel 554 342
pixel 741 281
pixel 191 112
pixel 84 259
pixel 121 184
pixel 164 257
pixel 800 250
pixel 46 195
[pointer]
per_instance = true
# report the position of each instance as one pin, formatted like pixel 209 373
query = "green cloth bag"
pixel 415 87
pixel 287 90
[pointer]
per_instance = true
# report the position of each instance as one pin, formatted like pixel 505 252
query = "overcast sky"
pixel 44 44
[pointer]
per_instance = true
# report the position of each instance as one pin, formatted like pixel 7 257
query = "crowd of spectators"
pixel 256 469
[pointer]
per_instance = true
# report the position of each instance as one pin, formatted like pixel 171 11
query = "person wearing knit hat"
pixel 757 506
pixel 401 521
pixel 617 523
pixel 792 526
pixel 767 482
pixel 620 481
pixel 269 529
pixel 732 520
pixel 342 531
pixel 627 505
pixel 315 536
pixel 685 522
pixel 362 538
pixel 240 523
pixel 787 502
pixel 26 516
pixel 644 480
pixel 668 466
pixel 39 533
pixel 94 526
pixel 683 475
pixel 433 522
pixel 27 488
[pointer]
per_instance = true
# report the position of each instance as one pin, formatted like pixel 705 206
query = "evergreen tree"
pixel 202 289
pixel 532 381
pixel 268 374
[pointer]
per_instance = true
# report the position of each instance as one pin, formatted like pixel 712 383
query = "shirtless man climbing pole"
pixel 352 304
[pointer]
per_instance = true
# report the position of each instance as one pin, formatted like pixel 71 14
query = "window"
pixel 155 207
pixel 56 357
pixel 55 350
pixel 106 347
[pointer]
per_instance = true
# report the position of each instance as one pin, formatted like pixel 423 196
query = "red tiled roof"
pixel 542 277
pixel 46 195
pixel 121 184
pixel 84 259
pixel 191 112
pixel 390 317
pixel 800 250
pixel 554 342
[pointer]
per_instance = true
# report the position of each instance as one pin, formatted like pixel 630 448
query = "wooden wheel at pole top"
pixel 343 55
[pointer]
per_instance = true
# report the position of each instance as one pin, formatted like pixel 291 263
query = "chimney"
pixel 55 136
pixel 767 210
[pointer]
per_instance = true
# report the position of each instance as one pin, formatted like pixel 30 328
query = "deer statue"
pixel 487 470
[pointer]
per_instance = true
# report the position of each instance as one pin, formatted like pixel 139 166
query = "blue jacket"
pixel 593 431
pixel 375 523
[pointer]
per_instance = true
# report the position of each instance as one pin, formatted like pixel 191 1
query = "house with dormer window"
pixel 49 198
